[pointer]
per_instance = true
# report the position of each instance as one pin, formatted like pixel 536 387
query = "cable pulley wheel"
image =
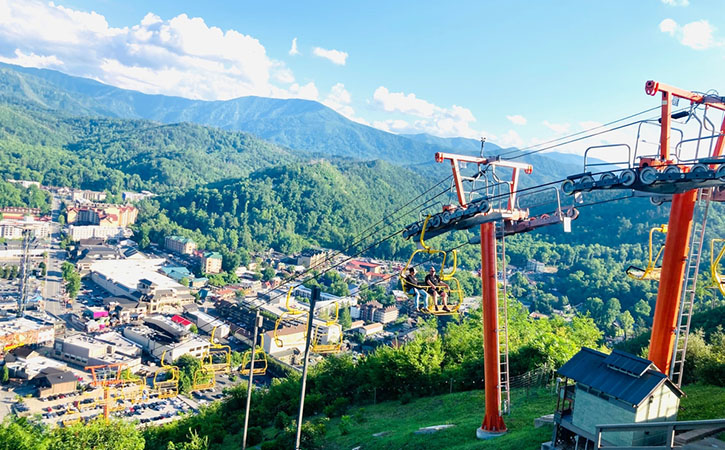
pixel 700 172
pixel 672 173
pixel 648 176
pixel 567 187
pixel 627 177
pixel 586 183
pixel 607 180
pixel 720 173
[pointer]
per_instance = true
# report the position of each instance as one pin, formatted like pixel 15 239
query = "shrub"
pixel 345 424
pixel 255 435
pixel 337 407
pixel 406 398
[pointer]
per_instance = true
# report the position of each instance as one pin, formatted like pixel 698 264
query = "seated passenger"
pixel 436 288
pixel 411 287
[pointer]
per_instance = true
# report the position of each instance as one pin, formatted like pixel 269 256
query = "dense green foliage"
pixel 422 367
pixel 113 155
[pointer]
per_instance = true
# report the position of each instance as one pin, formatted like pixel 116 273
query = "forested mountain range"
pixel 303 125
pixel 233 191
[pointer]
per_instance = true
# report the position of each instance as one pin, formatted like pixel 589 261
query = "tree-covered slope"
pixel 114 154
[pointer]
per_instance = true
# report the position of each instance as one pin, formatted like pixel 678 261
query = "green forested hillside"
pixel 113 154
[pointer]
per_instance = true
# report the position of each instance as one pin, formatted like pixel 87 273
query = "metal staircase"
pixel 503 336
pixel 687 299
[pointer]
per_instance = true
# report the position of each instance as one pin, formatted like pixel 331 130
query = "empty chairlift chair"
pixel 653 269
pixel 260 360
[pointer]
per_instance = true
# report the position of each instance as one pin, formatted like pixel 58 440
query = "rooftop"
pixel 128 273
pixel 621 375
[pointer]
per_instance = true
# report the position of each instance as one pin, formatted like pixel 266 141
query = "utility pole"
pixel 313 300
pixel 257 324
pixel 24 272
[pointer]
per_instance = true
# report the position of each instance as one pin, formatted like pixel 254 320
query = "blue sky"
pixel 518 72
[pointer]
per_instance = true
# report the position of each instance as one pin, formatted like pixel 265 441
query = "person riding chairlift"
pixel 412 283
pixel 435 289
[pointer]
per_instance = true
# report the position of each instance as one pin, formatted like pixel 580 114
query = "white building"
pixel 207 323
pixel 78 232
pixel 156 344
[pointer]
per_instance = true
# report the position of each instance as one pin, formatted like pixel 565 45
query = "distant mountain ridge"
pixel 302 125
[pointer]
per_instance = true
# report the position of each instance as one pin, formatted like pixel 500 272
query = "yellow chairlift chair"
pixel 454 287
pixel 717 277
pixel 653 269
pixel 327 337
pixel 168 387
pixel 260 360
pixel 291 315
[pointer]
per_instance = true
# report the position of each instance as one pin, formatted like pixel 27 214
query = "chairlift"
pixel 204 378
pixel 653 269
pixel 260 360
pixel 291 314
pixel 454 285
pixel 717 277
pixel 327 337
pixel 169 387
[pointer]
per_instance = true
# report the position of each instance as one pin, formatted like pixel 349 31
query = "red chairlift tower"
pixel 664 326
pixel 667 172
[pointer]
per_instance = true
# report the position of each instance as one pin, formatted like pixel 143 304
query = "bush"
pixel 713 372
pixel 255 435
pixel 345 424
pixel 337 407
pixel 281 420
pixel 406 398
pixel 359 416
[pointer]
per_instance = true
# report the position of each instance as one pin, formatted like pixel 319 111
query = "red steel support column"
pixel 493 421
pixel 673 274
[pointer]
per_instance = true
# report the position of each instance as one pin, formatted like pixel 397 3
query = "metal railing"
pixel 669 428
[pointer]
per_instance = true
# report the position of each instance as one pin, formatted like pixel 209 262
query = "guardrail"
pixel 670 429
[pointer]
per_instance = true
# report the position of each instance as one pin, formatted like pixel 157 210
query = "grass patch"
pixel 464 410
pixel 702 402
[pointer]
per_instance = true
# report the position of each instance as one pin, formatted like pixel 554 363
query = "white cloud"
pixel 432 119
pixel 308 91
pixel 181 56
pixel 340 100
pixel 668 26
pixel 293 50
pixel 517 119
pixel 699 35
pixel 399 102
pixel 676 2
pixel 32 60
pixel 510 139
pixel 334 56
pixel 559 128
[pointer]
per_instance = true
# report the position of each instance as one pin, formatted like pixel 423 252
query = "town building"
pixel 180 244
pixel 207 323
pixel 613 389
pixel 311 257
pixel 535 266
pixel 85 195
pixel 371 329
pixel 124 310
pixel 211 262
pixel 19 213
pixel 54 381
pixel 374 311
pixel 19 331
pixel 289 340
pixel 25 363
pixel 106 348
pixel 139 279
pixel 155 343
pixel 129 196
pixel 79 232
pixel 102 214
pixel 12 229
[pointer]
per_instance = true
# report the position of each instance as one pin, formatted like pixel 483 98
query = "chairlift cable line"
pixel 358 241
pixel 551 141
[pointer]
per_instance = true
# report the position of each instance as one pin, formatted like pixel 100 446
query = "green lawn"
pixel 464 410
